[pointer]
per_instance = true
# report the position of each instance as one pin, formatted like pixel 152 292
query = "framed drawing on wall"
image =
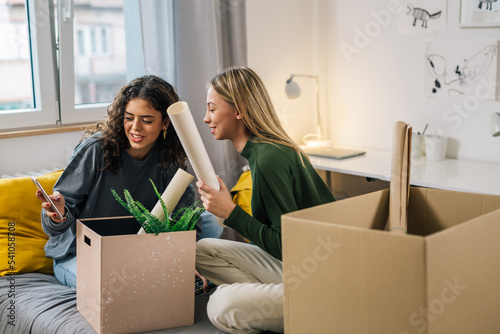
pixel 479 13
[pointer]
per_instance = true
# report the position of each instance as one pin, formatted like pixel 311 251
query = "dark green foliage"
pixel 183 220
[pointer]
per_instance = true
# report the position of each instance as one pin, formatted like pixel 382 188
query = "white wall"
pixel 281 42
pixel 363 97
pixel 360 99
pixel 384 83
pixel 34 153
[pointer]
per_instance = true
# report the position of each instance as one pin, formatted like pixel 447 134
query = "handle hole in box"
pixel 86 240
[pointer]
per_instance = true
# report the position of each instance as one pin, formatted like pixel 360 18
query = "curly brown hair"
pixel 160 94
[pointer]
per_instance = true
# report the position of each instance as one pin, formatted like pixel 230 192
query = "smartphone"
pixel 47 198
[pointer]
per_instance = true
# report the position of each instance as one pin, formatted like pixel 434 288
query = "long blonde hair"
pixel 244 89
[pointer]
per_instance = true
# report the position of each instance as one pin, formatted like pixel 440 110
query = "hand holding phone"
pixel 46 197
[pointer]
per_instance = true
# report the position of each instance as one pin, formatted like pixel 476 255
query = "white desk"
pixel 450 174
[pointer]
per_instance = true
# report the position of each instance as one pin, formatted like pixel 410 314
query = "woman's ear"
pixel 239 115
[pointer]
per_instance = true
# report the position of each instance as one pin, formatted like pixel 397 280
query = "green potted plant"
pixel 183 220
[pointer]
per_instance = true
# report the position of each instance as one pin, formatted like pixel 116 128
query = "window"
pixel 21 100
pixel 15 50
pixel 61 61
pixel 93 59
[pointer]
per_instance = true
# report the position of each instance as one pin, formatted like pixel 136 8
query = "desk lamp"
pixel 293 91
pixel 495 124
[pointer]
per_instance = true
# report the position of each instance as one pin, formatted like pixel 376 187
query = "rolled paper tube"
pixel 171 195
pixel 190 138
pixel 400 179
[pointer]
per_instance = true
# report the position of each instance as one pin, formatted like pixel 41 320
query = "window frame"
pixel 72 113
pixel 46 109
pixel 51 27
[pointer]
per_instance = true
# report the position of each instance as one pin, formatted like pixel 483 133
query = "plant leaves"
pixel 183 219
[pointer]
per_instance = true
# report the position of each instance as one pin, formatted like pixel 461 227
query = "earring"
pixel 165 134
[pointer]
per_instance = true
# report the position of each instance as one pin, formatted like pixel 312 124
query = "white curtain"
pixel 187 42
pixel 149 38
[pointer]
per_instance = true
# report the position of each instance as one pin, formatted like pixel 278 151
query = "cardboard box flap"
pixel 434 210
pixel 430 210
pixel 366 211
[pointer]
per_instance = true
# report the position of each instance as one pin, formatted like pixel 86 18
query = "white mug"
pixel 435 147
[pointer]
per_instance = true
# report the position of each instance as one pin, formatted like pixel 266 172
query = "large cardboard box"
pixel 130 283
pixel 344 274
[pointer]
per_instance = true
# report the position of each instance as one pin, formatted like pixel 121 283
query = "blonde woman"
pixel 249 297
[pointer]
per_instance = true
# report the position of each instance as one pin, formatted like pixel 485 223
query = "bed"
pixel 31 299
pixel 36 303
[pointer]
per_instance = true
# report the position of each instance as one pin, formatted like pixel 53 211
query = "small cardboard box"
pixel 344 274
pixel 130 283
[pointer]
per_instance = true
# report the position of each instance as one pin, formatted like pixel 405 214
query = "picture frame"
pixel 479 14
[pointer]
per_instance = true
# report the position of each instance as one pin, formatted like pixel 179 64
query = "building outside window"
pixel 60 62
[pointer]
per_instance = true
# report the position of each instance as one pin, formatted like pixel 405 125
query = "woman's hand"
pixel 203 279
pixel 59 202
pixel 218 202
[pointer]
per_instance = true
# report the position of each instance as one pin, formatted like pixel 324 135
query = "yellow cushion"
pixel 242 192
pixel 21 236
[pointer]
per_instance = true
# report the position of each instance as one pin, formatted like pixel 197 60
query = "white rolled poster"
pixel 190 138
pixel 171 195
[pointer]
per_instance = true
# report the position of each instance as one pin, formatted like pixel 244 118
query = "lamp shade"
pixel 292 89
pixel 495 124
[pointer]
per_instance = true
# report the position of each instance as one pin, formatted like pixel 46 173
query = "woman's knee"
pixel 204 247
pixel 247 307
pixel 211 228
pixel 65 271
pixel 225 312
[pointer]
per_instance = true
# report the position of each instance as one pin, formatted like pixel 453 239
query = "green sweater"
pixel 280 184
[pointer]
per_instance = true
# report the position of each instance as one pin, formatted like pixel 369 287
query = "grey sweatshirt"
pixel 87 191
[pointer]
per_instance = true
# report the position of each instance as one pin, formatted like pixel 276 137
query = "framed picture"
pixel 479 13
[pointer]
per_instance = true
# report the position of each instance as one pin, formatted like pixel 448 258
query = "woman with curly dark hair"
pixel 135 143
pixel 159 95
